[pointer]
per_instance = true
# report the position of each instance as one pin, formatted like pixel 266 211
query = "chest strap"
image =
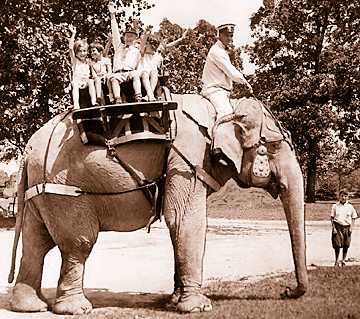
pixel 199 171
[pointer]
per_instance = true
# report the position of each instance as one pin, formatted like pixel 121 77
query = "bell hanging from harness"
pixel 260 171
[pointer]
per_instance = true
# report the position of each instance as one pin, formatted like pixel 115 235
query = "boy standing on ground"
pixel 343 216
pixel 126 59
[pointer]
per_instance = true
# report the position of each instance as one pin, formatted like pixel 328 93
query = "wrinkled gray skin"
pixel 73 223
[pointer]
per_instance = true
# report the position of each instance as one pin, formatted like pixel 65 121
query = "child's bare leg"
pixel 92 91
pixel 345 250
pixel 147 85
pixel 116 90
pixel 337 253
pixel 137 86
pixel 154 76
pixel 75 96
pixel 98 89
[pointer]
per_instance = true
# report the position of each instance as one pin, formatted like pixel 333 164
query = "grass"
pixel 333 293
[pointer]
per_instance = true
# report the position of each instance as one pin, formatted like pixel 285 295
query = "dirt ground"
pixel 125 266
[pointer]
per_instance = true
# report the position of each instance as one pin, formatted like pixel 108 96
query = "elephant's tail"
pixel 22 184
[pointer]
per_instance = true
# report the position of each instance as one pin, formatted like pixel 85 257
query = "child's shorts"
pixel 124 76
pixel 342 238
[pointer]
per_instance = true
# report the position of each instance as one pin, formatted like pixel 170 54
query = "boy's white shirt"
pixel 125 58
pixel 343 213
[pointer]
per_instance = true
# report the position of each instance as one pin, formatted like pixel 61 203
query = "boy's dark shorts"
pixel 342 238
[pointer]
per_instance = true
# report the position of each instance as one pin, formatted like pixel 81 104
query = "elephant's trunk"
pixel 19 215
pixel 293 200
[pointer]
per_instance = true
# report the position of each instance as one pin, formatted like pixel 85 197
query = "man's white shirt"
pixel 218 71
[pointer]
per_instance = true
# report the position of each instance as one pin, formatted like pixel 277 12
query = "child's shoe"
pixel 138 98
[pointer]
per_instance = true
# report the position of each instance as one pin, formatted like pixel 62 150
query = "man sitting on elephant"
pixel 217 81
pixel 219 73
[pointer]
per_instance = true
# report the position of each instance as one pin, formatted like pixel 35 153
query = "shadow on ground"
pixel 103 298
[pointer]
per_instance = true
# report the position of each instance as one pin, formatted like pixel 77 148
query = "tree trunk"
pixel 311 172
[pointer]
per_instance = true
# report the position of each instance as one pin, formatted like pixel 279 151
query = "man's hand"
pixel 334 231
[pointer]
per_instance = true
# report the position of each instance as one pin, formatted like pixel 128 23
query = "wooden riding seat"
pixel 112 125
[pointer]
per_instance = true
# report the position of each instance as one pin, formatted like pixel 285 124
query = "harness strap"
pixel 199 171
pixel 59 189
pixel 65 114
pixel 144 185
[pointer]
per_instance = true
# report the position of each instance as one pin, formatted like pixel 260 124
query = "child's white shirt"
pixel 126 58
pixel 343 213
pixel 101 67
pixel 150 62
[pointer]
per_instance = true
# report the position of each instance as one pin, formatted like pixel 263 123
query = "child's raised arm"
pixel 114 27
pixel 71 43
pixel 108 45
pixel 177 41
pixel 144 39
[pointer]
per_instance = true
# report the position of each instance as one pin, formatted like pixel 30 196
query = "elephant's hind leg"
pixel 36 242
pixel 75 241
pixel 70 298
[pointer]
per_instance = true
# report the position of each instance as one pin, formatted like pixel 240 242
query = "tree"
pixel 307 58
pixel 34 63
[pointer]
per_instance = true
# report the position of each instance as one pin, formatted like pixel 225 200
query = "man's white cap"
pixel 229 27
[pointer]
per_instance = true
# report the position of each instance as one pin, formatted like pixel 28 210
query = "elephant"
pixel 73 223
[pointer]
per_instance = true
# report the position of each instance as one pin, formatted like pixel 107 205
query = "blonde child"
pixel 149 63
pixel 126 59
pixel 152 51
pixel 80 69
pixel 100 69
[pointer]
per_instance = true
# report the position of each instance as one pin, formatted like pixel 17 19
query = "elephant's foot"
pixel 72 305
pixel 25 299
pixel 194 302
pixel 175 297
pixel 293 293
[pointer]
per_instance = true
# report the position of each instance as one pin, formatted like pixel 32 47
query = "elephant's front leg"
pixel 185 214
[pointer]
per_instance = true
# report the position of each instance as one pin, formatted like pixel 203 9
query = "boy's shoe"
pixel 342 263
pixel 118 101
pixel 98 101
pixel 138 98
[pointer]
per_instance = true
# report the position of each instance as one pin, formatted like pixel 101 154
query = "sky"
pixel 187 13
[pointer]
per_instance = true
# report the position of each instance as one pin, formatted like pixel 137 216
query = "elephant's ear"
pixel 227 138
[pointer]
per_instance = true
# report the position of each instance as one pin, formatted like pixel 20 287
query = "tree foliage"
pixel 185 62
pixel 307 57
pixel 34 63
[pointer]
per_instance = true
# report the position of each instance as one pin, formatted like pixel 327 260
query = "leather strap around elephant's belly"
pixel 50 188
